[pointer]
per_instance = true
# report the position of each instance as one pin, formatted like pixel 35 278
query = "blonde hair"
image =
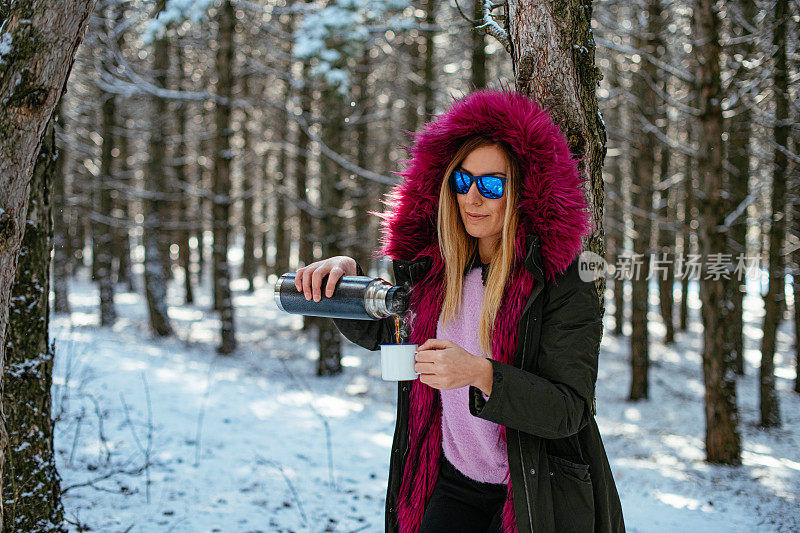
pixel 456 246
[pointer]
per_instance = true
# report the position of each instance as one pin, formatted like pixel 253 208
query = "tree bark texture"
pixel 553 57
pixel 249 266
pixel 122 241
pixel 60 224
pixel 478 63
pixel 360 246
pixel 796 285
pixel 722 417
pixel 643 165
pixel 666 202
pixel 122 245
pixel 775 299
pixel 155 283
pixel 205 206
pixel 104 232
pixel 739 156
pixel 43 36
pixel 222 175
pixel 796 292
pixel 331 226
pixel 306 255
pixel 429 88
pixel 553 53
pixel 182 177
pixel 412 115
pixel 689 217
pixel 32 495
pixel 615 216
pixel 279 183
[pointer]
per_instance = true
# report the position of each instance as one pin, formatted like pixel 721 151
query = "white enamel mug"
pixel 397 362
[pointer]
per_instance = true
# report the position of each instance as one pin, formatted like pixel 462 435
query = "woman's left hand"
pixel 445 365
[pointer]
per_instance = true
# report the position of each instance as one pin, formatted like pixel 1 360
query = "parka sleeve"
pixel 554 402
pixel 369 334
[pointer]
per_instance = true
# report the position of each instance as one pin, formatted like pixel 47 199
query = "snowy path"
pixel 241 443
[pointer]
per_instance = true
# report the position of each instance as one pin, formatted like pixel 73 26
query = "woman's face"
pixel 488 159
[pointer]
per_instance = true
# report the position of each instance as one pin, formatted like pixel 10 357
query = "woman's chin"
pixel 476 232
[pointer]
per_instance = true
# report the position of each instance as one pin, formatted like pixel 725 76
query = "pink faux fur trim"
pixel 552 201
pixel 552 205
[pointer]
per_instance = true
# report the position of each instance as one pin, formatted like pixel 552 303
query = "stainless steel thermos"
pixel 360 297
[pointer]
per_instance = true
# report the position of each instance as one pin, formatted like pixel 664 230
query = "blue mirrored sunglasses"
pixel 489 186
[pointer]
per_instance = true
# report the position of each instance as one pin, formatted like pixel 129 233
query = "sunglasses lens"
pixel 461 182
pixel 491 187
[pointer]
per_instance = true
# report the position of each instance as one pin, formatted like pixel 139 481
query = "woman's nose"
pixel 473 195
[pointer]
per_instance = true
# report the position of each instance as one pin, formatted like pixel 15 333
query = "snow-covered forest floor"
pixel 166 435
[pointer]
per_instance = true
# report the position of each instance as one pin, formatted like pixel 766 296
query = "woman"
pixel 507 379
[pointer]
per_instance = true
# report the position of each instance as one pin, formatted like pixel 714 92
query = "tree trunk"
pixel 248 184
pixel 643 165
pixel 615 215
pixel 103 236
pixel 32 485
pixel 279 183
pixel 478 49
pixel 155 284
pixel 774 301
pixel 411 119
pixel 739 155
pixel 181 177
pixel 359 246
pixel 306 255
pixel 796 284
pixel 667 246
pixel 797 350
pixel 32 79
pixel 722 417
pixel 553 58
pixel 167 185
pixel 60 224
pixel 276 184
pixel 687 219
pixel 331 226
pixel 666 201
pixel 387 132
pixel 796 291
pixel 429 86
pixel 222 174
pixel 122 240
pixel 204 179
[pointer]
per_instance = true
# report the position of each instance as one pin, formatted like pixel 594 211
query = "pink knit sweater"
pixel 471 444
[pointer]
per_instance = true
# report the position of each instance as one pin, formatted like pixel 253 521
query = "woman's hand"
pixel 445 365
pixel 308 279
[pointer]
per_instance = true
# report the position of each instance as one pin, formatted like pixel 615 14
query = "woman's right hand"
pixel 309 278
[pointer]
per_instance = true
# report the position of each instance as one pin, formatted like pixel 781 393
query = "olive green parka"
pixel 545 400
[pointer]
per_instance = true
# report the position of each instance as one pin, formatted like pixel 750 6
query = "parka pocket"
pixel 573 499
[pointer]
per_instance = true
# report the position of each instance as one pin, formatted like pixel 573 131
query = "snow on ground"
pixel 165 435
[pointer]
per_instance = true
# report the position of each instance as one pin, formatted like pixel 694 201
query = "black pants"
pixel 461 504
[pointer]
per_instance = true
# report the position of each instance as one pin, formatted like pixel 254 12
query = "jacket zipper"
pixel 519 439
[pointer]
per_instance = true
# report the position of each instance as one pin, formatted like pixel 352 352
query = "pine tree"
pixel 32 78
pixel 722 416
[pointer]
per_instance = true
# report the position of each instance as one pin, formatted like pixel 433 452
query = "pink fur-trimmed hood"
pixel 552 202
pixel 552 206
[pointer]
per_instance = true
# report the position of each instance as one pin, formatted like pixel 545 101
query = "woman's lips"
pixel 473 217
